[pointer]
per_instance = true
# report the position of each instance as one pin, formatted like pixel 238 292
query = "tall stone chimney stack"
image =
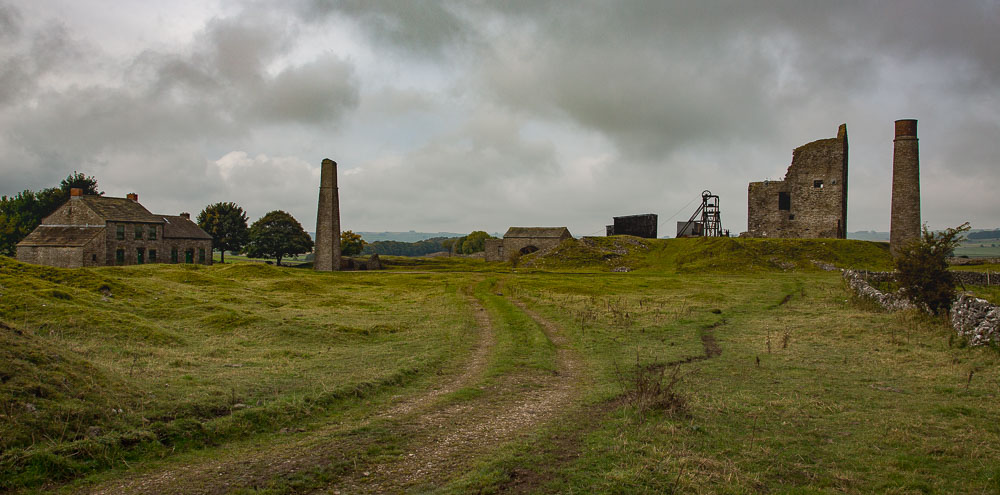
pixel 904 224
pixel 328 220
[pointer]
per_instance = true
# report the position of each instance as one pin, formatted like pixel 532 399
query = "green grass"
pixel 988 248
pixel 857 401
pixel 810 394
pixel 694 255
pixel 180 357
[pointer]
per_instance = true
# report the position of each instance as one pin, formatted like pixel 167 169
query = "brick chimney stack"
pixel 186 215
pixel 328 220
pixel 133 197
pixel 75 191
pixel 904 224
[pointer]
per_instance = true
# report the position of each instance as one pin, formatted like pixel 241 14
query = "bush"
pixel 923 269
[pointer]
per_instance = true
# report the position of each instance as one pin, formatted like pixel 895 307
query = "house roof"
pixel 178 227
pixel 536 232
pixel 119 209
pixel 61 236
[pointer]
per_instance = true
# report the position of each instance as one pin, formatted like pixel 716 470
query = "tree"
pixel 81 181
pixel 276 235
pixel 474 242
pixel 227 224
pixel 351 243
pixel 21 213
pixel 923 269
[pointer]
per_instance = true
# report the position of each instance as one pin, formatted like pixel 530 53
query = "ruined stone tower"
pixel 812 200
pixel 328 220
pixel 904 225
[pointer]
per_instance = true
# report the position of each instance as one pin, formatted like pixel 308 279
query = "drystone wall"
pixel 858 281
pixel 971 317
pixel 976 319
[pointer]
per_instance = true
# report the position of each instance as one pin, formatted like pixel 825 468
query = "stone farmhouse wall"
pixel 91 254
pixel 77 235
pixel 811 202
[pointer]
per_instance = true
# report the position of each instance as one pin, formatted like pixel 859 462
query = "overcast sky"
pixel 460 116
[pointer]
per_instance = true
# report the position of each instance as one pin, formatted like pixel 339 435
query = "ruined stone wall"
pixel 973 318
pixel 493 250
pixel 904 224
pixel 976 319
pixel 637 225
pixel 811 201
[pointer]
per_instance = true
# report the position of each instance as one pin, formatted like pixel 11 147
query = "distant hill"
pixel 871 235
pixel 984 234
pixel 868 235
pixel 411 236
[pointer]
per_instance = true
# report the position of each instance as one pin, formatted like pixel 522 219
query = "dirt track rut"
pixel 442 438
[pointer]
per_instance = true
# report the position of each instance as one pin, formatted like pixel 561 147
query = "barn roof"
pixel 178 227
pixel 61 236
pixel 537 232
pixel 119 209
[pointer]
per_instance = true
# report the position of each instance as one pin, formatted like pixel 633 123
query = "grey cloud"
pixel 169 111
pixel 23 62
pixel 319 91
pixel 10 21
pixel 421 27
pixel 214 92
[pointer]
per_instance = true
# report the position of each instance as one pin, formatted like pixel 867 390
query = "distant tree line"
pixel 22 212
pixel 475 242
pixel 398 248
pixel 467 244
pixel 985 234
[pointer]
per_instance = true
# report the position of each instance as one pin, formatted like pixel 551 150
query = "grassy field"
pixel 783 382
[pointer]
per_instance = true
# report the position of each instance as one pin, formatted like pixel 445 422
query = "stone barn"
pixel 812 199
pixel 637 225
pixel 100 231
pixel 525 240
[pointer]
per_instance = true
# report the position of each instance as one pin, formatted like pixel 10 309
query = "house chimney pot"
pixel 186 215
pixel 75 191
pixel 133 197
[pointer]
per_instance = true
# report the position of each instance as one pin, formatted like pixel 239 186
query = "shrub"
pixel 923 269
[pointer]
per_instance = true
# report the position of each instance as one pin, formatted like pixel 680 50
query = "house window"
pixel 201 255
pixel 140 254
pixel 152 233
pixel 189 256
pixel 120 256
pixel 791 217
pixel 818 184
pixel 784 201
pixel 173 255
pixel 152 256
pixel 138 231
pixel 120 232
pixel 93 258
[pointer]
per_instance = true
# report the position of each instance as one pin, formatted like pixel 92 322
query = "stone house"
pixel 525 240
pixel 102 231
pixel 812 199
